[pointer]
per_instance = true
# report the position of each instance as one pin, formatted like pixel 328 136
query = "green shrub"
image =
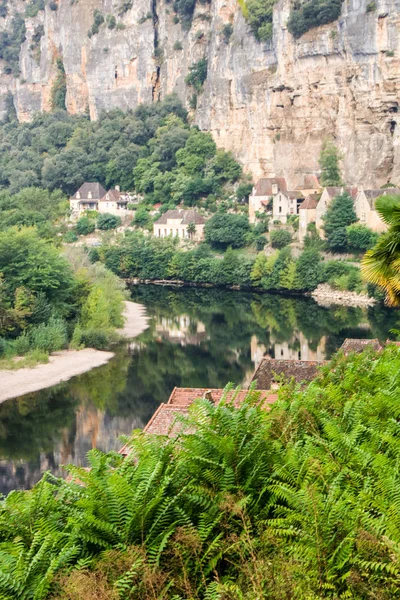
pixel 260 243
pixel 371 7
pixel 21 345
pixel 178 46
pixel 3 346
pixel 59 89
pixel 111 21
pixel 34 7
pixel 10 45
pixel 70 237
pixel 49 337
pixel 259 16
pixel 85 226
pixel 224 230
pixel 108 221
pixel 101 339
pixel 312 13
pixel 197 75
pixel 360 238
pixel 280 238
pixel 227 31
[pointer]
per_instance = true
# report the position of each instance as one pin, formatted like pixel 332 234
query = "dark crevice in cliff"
pixel 156 83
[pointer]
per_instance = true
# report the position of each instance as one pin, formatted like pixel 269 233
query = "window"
pixel 78 195
pixel 280 209
pixel 363 217
pixel 89 195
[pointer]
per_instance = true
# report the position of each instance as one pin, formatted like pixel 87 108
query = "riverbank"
pixel 66 364
pixel 324 294
pixel 61 366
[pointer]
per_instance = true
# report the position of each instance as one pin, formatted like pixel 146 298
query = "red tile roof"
pixel 299 370
pixel 185 396
pixel 310 202
pixel 359 345
pixel 311 182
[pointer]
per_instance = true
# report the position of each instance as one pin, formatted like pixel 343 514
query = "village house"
pixel 261 196
pixel 92 196
pixel 365 208
pixel 185 224
pixel 285 204
pixel 307 214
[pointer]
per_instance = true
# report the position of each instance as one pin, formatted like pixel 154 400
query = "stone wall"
pixel 271 104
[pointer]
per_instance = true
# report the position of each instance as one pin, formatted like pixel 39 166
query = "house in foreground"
pixel 92 196
pixel 364 205
pixel 260 199
pixel 185 224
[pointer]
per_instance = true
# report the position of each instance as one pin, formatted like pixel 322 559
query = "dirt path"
pixel 68 363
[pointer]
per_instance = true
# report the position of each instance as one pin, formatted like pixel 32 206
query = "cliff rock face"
pixel 271 104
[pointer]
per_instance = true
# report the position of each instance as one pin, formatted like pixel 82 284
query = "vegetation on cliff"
pixel 299 502
pixel 312 13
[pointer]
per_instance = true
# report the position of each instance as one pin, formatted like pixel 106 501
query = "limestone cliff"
pixel 272 104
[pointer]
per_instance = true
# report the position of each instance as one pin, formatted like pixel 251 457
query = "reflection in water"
pixel 196 338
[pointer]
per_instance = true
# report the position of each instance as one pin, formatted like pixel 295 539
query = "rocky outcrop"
pixel 271 104
pixel 325 295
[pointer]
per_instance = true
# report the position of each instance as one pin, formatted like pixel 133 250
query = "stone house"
pixel 285 204
pixel 114 202
pixel 365 208
pixel 86 198
pixel 175 223
pixel 260 199
pixel 92 196
pixel 307 214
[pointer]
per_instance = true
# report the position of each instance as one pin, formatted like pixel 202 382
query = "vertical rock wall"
pixel 271 104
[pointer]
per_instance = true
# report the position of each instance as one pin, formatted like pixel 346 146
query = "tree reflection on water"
pixel 196 338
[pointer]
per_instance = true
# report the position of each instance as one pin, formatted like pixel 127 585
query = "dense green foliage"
pixel 224 230
pixel 10 44
pixel 339 215
pixel 360 238
pixel 32 206
pixel 107 221
pixel 299 502
pixel 197 74
pixel 45 298
pixel 280 238
pixel 259 15
pixel 329 163
pixel 312 13
pixel 59 89
pixel 61 151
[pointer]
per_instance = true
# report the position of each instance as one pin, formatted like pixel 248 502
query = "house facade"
pixel 177 223
pixel 261 196
pixel 286 204
pixel 307 214
pixel 92 196
pixel 365 208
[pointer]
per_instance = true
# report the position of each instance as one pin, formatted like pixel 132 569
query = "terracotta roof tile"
pixel 358 345
pixel 300 370
pixel 311 182
pixel 310 202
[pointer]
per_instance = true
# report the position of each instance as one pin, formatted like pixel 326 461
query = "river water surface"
pixel 196 338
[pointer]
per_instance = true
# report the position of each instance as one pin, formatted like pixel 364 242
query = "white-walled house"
pixel 92 196
pixel 285 204
pixel 260 199
pixel 86 198
pixel 365 207
pixel 175 223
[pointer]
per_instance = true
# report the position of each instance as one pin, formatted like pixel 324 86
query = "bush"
pixel 178 46
pixel 108 221
pixel 111 21
pixel 259 16
pixel 21 345
pixel 50 337
pixel 197 75
pixel 70 237
pixel 311 14
pixel 85 226
pixel 224 230
pixel 227 31
pixel 260 243
pixel 3 346
pixel 360 238
pixel 101 339
pixel 280 238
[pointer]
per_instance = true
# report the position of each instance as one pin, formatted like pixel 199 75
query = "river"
pixel 196 338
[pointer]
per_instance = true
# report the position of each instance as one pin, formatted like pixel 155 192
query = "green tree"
pixel 360 238
pixel 329 162
pixel 30 262
pixel 224 230
pixel 280 238
pixel 84 226
pixel 106 221
pixel 309 270
pixel 339 215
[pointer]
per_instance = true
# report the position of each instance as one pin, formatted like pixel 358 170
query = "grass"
pixel 33 358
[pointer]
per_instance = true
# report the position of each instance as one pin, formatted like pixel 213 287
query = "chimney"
pixel 208 396
pixel 118 188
